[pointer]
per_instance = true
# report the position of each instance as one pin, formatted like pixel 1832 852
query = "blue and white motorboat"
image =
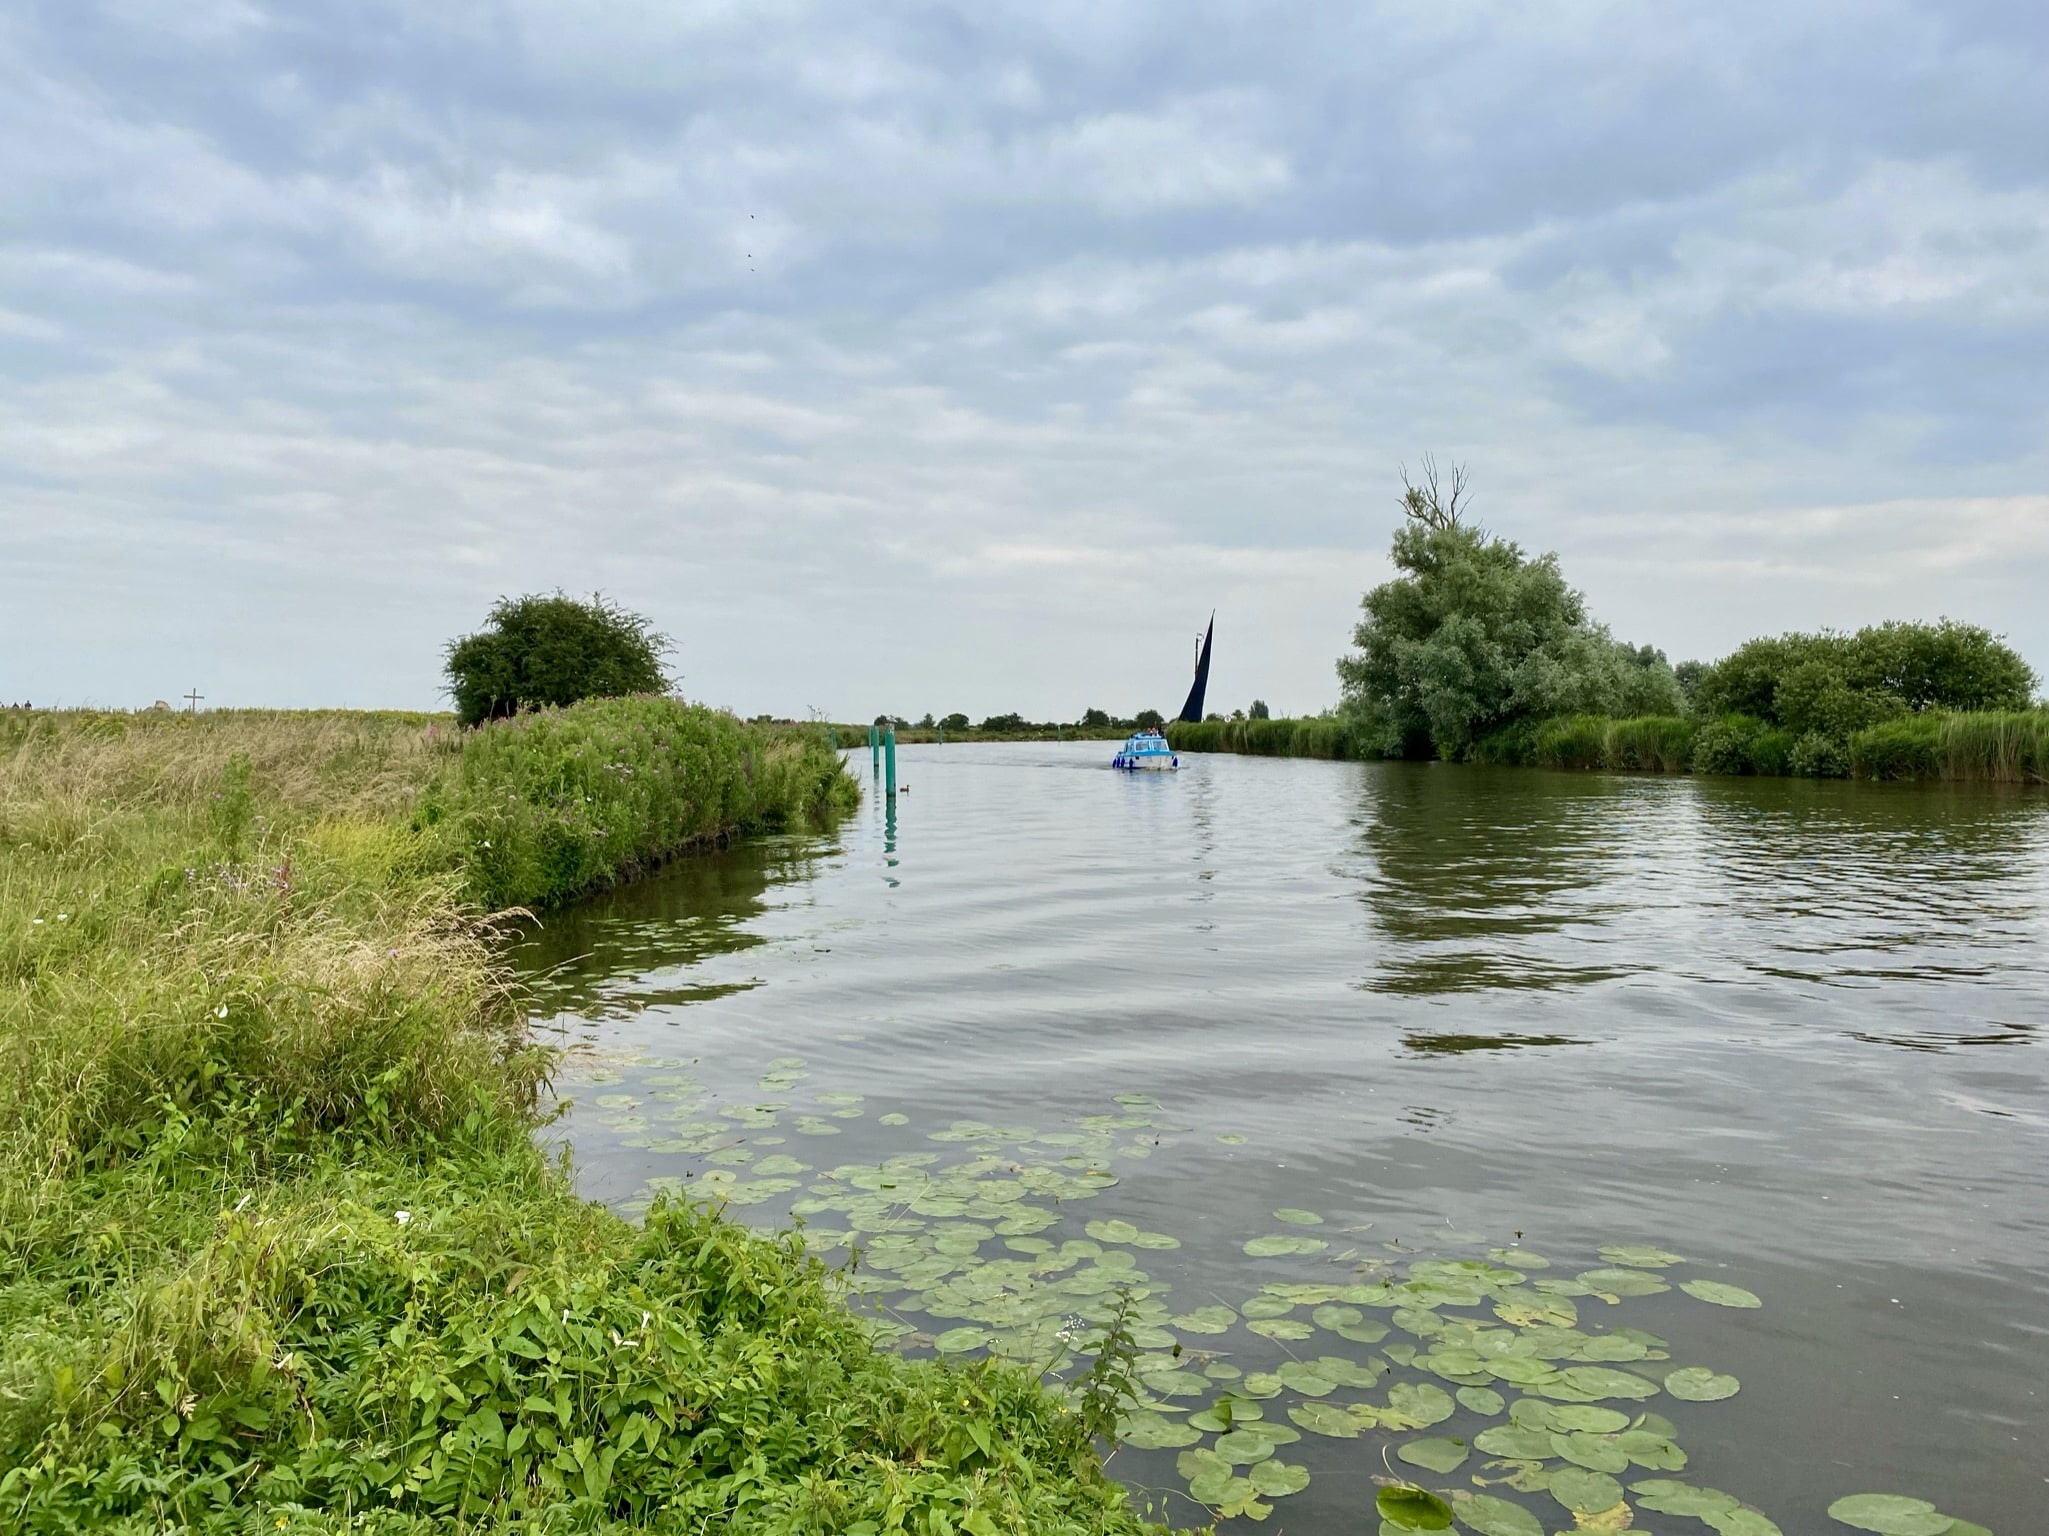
pixel 1146 752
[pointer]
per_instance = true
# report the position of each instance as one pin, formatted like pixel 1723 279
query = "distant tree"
pixel 1011 722
pixel 1148 720
pixel 1687 675
pixel 926 723
pixel 1258 711
pixel 956 722
pixel 536 652
pixel 1094 717
pixel 1473 634
pixel 1212 715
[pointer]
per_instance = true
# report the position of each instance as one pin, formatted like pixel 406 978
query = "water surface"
pixel 1789 1030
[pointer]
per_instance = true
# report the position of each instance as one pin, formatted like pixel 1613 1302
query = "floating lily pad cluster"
pixel 1496 1373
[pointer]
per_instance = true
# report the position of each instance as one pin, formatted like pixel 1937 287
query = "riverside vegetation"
pixel 277 1248
pixel 1477 652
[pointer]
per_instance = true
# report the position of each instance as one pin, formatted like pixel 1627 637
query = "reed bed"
pixel 1320 736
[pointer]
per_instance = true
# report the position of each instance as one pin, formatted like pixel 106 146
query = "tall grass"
pixel 277 1249
pixel 1316 736
pixel 1645 744
pixel 2001 747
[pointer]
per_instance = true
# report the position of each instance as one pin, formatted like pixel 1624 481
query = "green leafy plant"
pixel 547 651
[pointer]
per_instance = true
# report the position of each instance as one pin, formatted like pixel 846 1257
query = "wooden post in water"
pixel 889 757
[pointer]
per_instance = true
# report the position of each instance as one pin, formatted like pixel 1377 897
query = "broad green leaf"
pixel 1597 1453
pixel 1481 1400
pixel 1110 1231
pixel 1718 1293
pixel 1599 1381
pixel 1296 1217
pixel 1698 1384
pixel 1278 1479
pixel 1640 1258
pixel 1281 1243
pixel 1412 1509
pixel 1155 1432
pixel 1307 1379
pixel 1326 1419
pixel 1667 1497
pixel 1206 1320
pixel 1890 1514
pixel 1585 1492
pixel 1513 1442
pixel 1416 1405
pixel 1240 1446
pixel 1281 1328
pixel 1489 1516
pixel 1623 1282
pixel 1742 1522
pixel 1585 1417
pixel 1436 1454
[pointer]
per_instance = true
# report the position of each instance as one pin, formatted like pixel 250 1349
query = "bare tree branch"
pixel 1435 504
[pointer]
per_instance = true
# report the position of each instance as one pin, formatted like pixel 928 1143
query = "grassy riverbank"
pixel 276 1248
pixel 1318 736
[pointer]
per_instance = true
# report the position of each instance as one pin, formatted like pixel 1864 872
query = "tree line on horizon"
pixel 1475 647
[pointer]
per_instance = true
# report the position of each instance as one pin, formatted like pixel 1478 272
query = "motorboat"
pixel 1146 752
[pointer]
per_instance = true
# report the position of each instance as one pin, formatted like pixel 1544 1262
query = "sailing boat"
pixel 1148 750
pixel 1192 710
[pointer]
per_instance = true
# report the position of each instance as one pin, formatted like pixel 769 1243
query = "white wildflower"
pixel 401 1217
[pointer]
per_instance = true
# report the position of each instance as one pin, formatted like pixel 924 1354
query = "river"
pixel 1464 1028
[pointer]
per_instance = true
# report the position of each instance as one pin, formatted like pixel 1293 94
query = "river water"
pixel 1484 1022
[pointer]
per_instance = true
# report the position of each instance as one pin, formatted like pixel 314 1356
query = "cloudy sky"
pixel 922 356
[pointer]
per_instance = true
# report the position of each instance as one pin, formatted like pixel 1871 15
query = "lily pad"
pixel 1261 1384
pixel 1156 1432
pixel 1665 1496
pixel 1307 1379
pixel 1584 1492
pixel 1280 1243
pixel 1745 1522
pixel 1297 1217
pixel 1481 1400
pixel 1111 1231
pixel 1416 1405
pixel 1326 1419
pixel 1281 1328
pixel 1408 1508
pixel 1698 1384
pixel 1599 1381
pixel 1269 1306
pixel 1651 1449
pixel 1597 1453
pixel 1585 1417
pixel 1242 1446
pixel 1232 1139
pixel 1331 1315
pixel 1638 1257
pixel 958 1341
pixel 894 1118
pixel 1277 1479
pixel 1436 1454
pixel 1488 1516
pixel 1890 1514
pixel 1206 1320
pixel 1719 1294
pixel 1623 1282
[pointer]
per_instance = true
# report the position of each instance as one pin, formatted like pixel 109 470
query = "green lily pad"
pixel 958 1341
pixel 1640 1258
pixel 1890 1514
pixel 1232 1138
pixel 1205 1320
pixel 1514 1442
pixel 1297 1217
pixel 1698 1384
pixel 1367 1332
pixel 1279 1244
pixel 1332 1316
pixel 1242 1446
pixel 1585 1418
pixel 1436 1454
pixel 1744 1522
pixel 1155 1432
pixel 1584 1492
pixel 1261 1384
pixel 1307 1379
pixel 1488 1516
pixel 1158 1241
pixel 1597 1453
pixel 1481 1400
pixel 1651 1449
pixel 1623 1282
pixel 1719 1294
pixel 1326 1419
pixel 1277 1479
pixel 1598 1381
pixel 1110 1231
pixel 1268 1306
pixel 1416 1405
pixel 1281 1328
pixel 1346 1373
pixel 893 1118
pixel 1412 1509
pixel 1664 1496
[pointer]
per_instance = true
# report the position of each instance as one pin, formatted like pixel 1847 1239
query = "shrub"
pixel 956 722
pixel 1740 744
pixel 1819 755
pixel 1010 722
pixel 541 652
pixel 1258 711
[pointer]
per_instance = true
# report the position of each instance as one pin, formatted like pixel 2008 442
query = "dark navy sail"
pixel 1192 710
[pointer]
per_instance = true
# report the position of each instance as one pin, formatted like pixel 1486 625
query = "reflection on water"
pixel 1452 1011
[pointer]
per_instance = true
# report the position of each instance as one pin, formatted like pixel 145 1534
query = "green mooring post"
pixel 889 758
pixel 942 735
pixel 832 734
pixel 874 750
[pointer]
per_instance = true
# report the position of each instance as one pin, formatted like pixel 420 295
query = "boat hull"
pixel 1147 764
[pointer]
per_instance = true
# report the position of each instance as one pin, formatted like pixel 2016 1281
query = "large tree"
pixel 1474 635
pixel 535 652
